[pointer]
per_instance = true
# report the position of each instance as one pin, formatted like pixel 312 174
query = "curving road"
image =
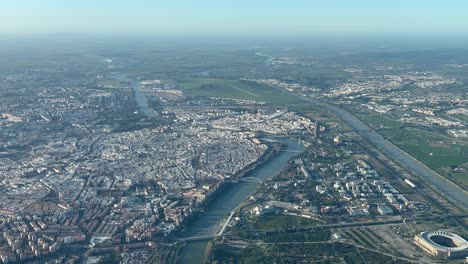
pixel 443 185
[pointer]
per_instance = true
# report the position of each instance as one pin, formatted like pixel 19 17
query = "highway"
pixel 443 185
pixel 329 226
pixel 364 223
pixel 446 187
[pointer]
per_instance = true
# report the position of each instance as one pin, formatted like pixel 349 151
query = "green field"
pixel 378 121
pixel 185 61
pixel 300 253
pixel 438 157
pixel 462 117
pixel 436 151
pixel 432 149
pixel 312 72
pixel 236 89
pixel 461 177
pixel 273 222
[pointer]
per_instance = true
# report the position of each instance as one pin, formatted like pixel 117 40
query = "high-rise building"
pixel 316 129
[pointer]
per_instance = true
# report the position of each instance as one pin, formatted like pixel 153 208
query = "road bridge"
pixel 251 179
pixel 210 237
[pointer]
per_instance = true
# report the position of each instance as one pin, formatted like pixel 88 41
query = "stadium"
pixel 442 244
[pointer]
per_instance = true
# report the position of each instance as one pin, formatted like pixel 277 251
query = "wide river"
pixel 231 197
pixel 140 96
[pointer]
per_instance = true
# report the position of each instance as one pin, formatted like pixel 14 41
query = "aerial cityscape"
pixel 222 149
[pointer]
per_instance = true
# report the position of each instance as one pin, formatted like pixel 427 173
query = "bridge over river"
pixel 203 228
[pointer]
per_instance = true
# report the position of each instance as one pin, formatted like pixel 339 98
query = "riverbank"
pixel 273 150
pixel 230 198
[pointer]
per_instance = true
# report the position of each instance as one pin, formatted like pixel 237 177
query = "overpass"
pixel 326 226
pixel 364 223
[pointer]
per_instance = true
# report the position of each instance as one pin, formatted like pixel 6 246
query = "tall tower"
pixel 316 129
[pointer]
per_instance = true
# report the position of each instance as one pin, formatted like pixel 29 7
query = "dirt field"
pixel 439 145
pixel 391 239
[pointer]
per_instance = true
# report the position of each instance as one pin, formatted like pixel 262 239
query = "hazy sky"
pixel 233 16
